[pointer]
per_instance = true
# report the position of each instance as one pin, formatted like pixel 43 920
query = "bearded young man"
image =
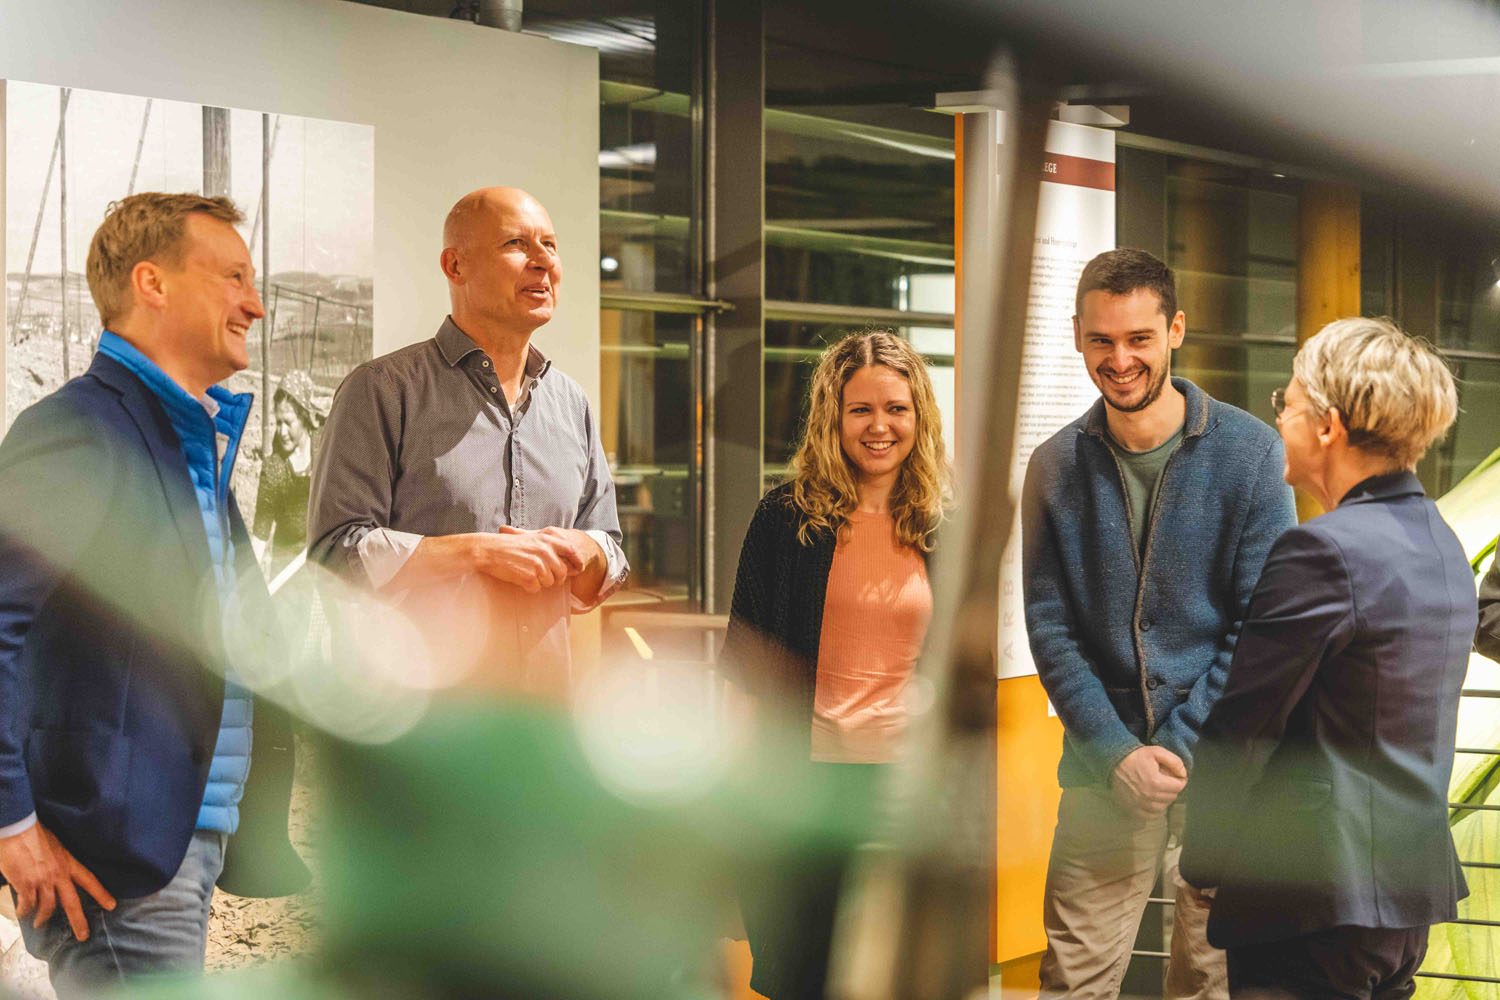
pixel 1145 524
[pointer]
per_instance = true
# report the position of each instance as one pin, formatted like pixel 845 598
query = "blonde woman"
pixel 1318 809
pixel 831 604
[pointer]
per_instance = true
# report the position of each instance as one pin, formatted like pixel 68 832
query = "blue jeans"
pixel 165 932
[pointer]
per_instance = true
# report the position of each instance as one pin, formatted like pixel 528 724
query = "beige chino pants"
pixel 1103 867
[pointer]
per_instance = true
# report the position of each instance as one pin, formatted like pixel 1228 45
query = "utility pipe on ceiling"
pixel 502 14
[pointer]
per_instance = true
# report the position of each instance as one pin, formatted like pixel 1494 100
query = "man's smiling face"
pixel 211 300
pixel 1127 345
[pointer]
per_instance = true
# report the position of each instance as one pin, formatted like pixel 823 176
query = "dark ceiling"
pixel 1385 92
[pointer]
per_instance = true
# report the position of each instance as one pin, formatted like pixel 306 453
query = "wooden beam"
pixel 1327 256
pixel 1327 269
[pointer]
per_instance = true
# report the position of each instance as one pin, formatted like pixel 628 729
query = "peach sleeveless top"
pixel 875 615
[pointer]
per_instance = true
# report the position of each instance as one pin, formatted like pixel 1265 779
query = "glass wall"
pixel 1468 330
pixel 650 258
pixel 1437 277
pixel 646 388
pixel 859 234
pixel 1230 234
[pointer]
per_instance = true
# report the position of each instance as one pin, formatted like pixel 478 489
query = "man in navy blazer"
pixel 125 739
pixel 1319 811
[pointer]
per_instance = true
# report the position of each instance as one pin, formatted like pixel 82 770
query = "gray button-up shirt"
pixel 422 442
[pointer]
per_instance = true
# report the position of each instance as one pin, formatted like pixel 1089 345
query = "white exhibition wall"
pixel 454 106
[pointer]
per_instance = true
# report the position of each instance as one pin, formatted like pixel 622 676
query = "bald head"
pixel 478 211
pixel 500 259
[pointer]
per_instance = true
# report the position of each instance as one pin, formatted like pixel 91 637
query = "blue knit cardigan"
pixel 1134 648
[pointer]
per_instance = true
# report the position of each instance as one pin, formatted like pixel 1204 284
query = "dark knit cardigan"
pixel 776 614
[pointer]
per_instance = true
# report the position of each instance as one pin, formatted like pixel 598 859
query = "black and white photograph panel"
pixel 306 188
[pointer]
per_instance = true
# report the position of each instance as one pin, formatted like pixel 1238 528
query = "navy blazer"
pixel 111 649
pixel 1320 794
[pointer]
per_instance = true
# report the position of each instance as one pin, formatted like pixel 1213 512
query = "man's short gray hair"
pixel 1394 392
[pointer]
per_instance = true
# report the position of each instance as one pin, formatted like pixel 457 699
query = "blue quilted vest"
pixel 210 431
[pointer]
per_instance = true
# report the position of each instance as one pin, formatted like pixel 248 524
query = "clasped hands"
pixel 1145 784
pixel 534 560
pixel 1148 780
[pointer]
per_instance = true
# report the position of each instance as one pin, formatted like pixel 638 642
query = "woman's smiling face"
pixel 878 423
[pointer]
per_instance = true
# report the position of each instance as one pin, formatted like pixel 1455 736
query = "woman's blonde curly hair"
pixel 824 487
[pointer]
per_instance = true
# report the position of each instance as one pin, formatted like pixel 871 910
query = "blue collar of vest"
pixel 226 412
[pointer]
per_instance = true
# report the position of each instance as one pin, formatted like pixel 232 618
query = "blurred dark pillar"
pixel 678 190
pixel 920 924
pixel 736 273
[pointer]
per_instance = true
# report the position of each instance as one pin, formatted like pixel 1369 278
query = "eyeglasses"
pixel 1278 400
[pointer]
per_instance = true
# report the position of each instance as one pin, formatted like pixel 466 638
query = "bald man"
pixel 463 476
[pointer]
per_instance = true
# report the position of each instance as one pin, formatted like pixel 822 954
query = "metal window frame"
pixel 691 350
pixel 819 312
pixel 661 302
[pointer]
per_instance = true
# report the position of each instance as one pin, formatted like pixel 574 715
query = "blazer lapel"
pixel 166 455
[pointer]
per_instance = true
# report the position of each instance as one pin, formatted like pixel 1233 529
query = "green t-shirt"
pixel 1142 471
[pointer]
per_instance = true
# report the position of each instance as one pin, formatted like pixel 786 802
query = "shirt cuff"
pixel 384 551
pixel 20 827
pixel 616 571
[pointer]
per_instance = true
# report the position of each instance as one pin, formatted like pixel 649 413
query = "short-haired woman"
pixel 1318 806
pixel 831 604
